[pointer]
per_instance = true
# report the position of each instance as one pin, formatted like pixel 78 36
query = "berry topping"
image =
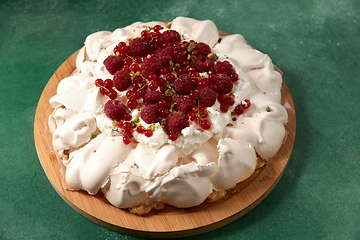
pixel 113 63
pixel 115 110
pixel 138 48
pixel 153 97
pixel 184 85
pixel 245 103
pixel 148 133
pixel 224 83
pixel 122 80
pixel 176 123
pixel 151 65
pixel 150 114
pixel 239 109
pixel 224 67
pixel 203 66
pixel 207 96
pixel 203 48
pixel 173 136
pixel 167 80
pixel 171 36
pixel 167 55
pixel 183 104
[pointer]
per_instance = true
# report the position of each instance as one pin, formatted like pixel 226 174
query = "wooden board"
pixel 169 222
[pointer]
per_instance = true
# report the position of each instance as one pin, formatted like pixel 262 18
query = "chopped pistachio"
pixel 191 47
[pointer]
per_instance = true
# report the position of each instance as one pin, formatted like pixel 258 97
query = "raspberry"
pixel 203 48
pixel 138 48
pixel 184 85
pixel 151 65
pixel 150 114
pixel 183 104
pixel 203 66
pixel 113 63
pixel 166 55
pixel 122 80
pixel 115 110
pixel 207 96
pixel 171 36
pixel 224 67
pixel 153 97
pixel 224 84
pixel 176 123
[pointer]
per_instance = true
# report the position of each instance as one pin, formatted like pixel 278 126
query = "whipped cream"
pixel 180 173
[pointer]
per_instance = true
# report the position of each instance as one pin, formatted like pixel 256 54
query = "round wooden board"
pixel 169 222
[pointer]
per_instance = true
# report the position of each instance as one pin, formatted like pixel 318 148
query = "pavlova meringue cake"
pixel 166 113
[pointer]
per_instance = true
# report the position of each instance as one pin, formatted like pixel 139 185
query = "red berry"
pixel 99 82
pixel 224 67
pixel 119 124
pixel 127 127
pixel 193 96
pixel 126 69
pixel 150 114
pixel 140 129
pixel 145 35
pixel 173 136
pixel 164 113
pixel 151 65
pixel 190 115
pixel 135 67
pixel 126 139
pixel 171 36
pixel 123 48
pixel 224 108
pixel 153 97
pixel 132 104
pixel 230 101
pixel 127 117
pixel 224 83
pixel 212 77
pixel 184 85
pixel 170 78
pixel 108 83
pixel 214 87
pixel 234 77
pixel 163 104
pixel 153 86
pixel 157 28
pixel 207 96
pixel 205 124
pixel 222 98
pixel 115 110
pixel 122 80
pixel 245 103
pixel 138 48
pixel 203 48
pixel 202 83
pixel 239 109
pixel 148 133
pixel 113 63
pixel 183 104
pixel 112 94
pixel 176 123
pixel 103 91
pixel 116 49
pixel 203 66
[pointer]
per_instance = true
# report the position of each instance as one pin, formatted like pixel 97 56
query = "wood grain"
pixel 169 222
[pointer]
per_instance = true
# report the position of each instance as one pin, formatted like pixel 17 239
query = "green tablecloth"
pixel 316 44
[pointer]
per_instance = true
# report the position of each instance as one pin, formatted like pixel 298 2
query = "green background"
pixel 316 43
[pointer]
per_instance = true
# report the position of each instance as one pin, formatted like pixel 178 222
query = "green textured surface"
pixel 316 44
